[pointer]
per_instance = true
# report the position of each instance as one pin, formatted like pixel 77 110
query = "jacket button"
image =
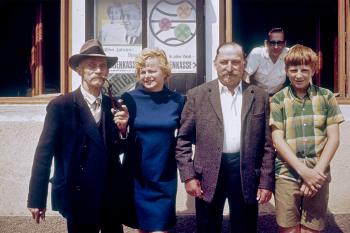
pixel 81 167
pixel 77 188
pixel 85 146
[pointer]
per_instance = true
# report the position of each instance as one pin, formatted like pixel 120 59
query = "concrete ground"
pixel 185 224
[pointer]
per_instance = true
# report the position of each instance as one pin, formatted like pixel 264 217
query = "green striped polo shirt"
pixel 304 122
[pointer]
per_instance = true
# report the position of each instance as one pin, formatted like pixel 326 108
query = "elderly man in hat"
pixel 85 142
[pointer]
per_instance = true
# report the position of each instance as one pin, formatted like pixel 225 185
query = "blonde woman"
pixel 154 117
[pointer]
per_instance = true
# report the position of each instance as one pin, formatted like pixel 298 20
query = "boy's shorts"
pixel 293 209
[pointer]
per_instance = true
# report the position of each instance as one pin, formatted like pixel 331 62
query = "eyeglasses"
pixel 277 42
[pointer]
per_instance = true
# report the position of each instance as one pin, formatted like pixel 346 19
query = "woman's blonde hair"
pixel 301 55
pixel 140 60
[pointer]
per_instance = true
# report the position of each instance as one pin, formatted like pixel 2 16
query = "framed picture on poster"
pixel 118 22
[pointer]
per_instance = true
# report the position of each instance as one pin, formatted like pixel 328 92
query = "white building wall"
pixel 78 34
pixel 211 37
pixel 20 128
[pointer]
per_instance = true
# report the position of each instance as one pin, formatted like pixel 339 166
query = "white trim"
pixel 211 37
pixel 78 34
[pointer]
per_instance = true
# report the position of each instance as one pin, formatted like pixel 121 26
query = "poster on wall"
pixel 118 25
pixel 172 27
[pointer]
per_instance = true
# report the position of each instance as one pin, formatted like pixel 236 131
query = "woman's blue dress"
pixel 154 118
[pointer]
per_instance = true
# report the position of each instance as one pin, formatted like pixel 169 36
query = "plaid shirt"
pixel 304 122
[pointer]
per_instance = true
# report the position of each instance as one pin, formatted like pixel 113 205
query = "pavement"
pixel 185 224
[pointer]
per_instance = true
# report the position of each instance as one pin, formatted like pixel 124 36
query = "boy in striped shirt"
pixel 305 122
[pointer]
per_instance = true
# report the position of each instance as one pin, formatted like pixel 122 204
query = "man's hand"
pixel 193 187
pixel 263 196
pixel 121 118
pixel 37 214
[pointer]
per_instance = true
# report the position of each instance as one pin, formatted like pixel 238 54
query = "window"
pixel 32 48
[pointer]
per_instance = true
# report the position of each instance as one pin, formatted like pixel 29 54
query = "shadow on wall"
pixel 332 224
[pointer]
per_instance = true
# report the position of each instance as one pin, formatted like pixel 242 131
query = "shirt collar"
pixel 88 97
pixel 309 93
pixel 281 56
pixel 223 89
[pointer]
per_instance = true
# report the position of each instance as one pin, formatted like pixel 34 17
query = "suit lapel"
pixel 86 119
pixel 214 98
pixel 248 99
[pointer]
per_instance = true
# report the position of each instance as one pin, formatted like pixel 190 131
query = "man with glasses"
pixel 265 65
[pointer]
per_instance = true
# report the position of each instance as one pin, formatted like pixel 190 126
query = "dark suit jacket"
pixel 82 152
pixel 202 124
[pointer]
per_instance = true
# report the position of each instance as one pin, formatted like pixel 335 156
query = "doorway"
pixel 312 23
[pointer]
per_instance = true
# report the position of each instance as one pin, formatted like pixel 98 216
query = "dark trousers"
pixel 109 224
pixel 243 217
pixel 110 216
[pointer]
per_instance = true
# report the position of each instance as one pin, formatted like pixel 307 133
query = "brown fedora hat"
pixel 91 48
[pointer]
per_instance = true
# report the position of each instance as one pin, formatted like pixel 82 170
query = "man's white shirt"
pixel 231 106
pixel 91 102
pixel 263 72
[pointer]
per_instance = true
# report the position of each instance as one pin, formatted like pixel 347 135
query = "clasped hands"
pixel 313 180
